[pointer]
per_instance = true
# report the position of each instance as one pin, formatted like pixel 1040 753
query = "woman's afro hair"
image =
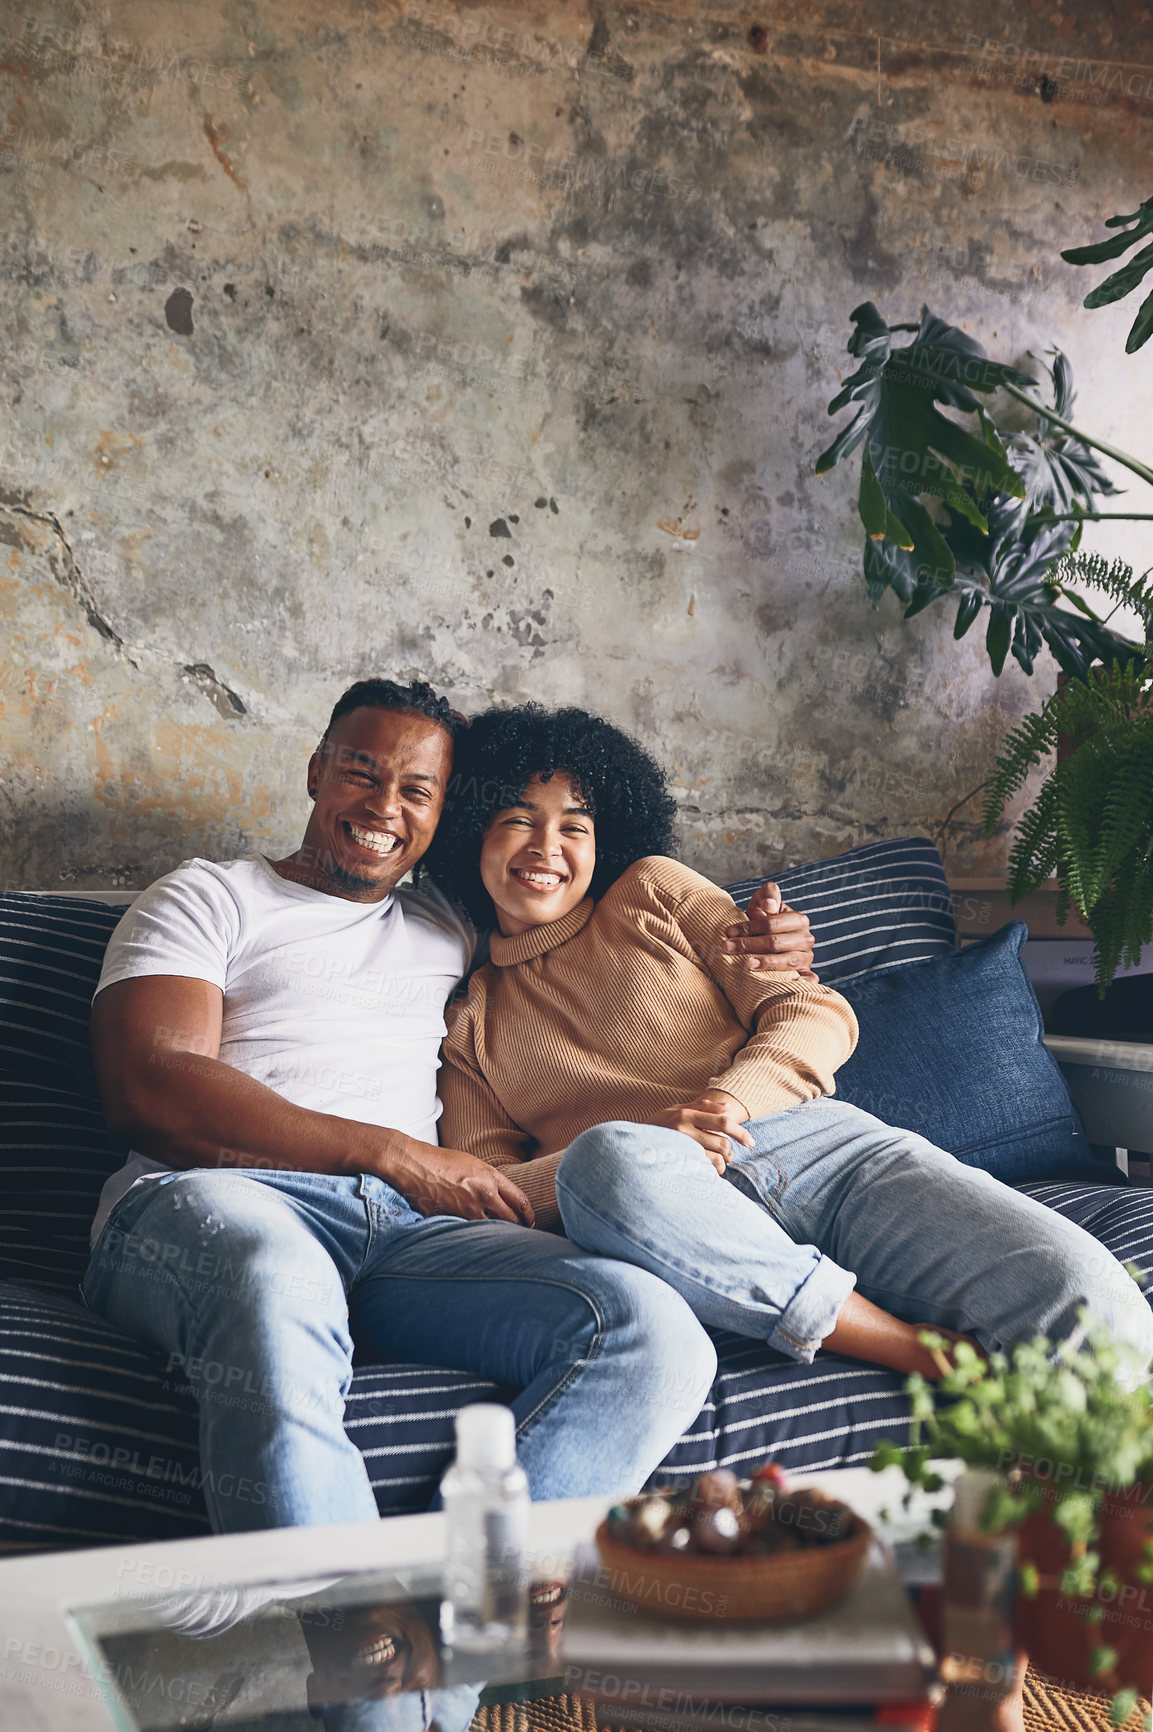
pixel 496 756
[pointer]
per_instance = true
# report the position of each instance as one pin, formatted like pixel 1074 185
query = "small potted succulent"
pixel 1069 1432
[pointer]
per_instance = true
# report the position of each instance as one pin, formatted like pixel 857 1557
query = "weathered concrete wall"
pixel 492 345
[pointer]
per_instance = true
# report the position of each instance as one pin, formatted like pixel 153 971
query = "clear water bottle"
pixel 486 1506
pixel 980 1576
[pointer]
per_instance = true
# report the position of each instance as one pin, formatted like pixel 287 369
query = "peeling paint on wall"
pixel 491 345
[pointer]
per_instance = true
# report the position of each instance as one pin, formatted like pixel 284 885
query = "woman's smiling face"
pixel 538 855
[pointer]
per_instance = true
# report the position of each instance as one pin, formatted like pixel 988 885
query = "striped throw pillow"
pixel 874 907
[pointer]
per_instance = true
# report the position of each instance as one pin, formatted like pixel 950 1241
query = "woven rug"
pixel 1047 1709
pixel 546 1714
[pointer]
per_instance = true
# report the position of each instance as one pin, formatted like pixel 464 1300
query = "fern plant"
pixel 1092 821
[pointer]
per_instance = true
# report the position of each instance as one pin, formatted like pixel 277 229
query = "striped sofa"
pixel 98 1440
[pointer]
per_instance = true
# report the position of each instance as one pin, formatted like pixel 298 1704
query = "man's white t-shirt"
pixel 337 1005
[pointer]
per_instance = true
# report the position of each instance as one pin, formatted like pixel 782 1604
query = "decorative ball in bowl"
pixel 722 1551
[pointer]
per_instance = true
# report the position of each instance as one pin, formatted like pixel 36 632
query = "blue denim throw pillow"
pixel 952 1049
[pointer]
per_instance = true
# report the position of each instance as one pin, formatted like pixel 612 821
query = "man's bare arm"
pixel 777 936
pixel 156 1044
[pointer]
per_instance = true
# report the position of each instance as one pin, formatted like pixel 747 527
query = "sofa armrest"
pixel 1111 1082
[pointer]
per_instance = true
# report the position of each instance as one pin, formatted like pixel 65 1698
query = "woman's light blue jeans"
pixel 259 1285
pixel 831 1198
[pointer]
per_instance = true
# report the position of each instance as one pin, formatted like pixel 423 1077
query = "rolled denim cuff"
pixel 812 1312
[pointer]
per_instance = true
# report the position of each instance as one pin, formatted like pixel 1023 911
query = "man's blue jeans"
pixel 258 1286
pixel 829 1198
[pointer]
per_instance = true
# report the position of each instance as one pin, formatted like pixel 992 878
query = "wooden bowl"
pixel 738 1590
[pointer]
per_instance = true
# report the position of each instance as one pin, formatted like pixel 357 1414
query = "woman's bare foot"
pixel 864 1331
pixel 937 1361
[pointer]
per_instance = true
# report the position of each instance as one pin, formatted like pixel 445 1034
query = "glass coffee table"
pixel 339 1628
pixel 361 1651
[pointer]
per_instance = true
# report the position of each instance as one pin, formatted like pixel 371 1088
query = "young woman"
pixel 672 1109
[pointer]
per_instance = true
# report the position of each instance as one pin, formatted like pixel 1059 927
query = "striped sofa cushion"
pixel 873 907
pixel 94 1449
pixel 1119 1216
pixel 51 948
pixel 98 1442
pixel 55 1154
pixel 832 1413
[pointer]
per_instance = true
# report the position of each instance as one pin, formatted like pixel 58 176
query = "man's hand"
pixel 155 1043
pixel 449 1182
pixel 713 1119
pixel 777 936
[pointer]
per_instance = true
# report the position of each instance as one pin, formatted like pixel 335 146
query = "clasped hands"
pixel 775 939
pixel 714 1119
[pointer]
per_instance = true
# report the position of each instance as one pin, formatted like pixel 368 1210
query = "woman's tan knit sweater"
pixel 623 1007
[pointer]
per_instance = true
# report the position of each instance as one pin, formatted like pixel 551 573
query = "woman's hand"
pixel 713 1119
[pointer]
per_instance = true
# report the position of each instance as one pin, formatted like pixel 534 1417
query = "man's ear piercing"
pixel 312 793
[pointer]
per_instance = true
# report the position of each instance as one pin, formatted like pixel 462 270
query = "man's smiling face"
pixel 378 783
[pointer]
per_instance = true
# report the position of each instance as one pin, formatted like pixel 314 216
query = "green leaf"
pixel 1077 601
pixel 888 566
pixel 968 612
pixel 871 501
pixel 1006 511
pixel 1100 251
pixel 1103 1660
pixel 1142 327
pixel 847 440
pixel 1116 287
pixel 1123 1705
pixel 931 551
pixel 1092 820
pixel 1124 281
pixel 876 516
pixel 1018 562
pixel 998 634
pixel 1028 1581
pixel 988 431
pixel 1064 395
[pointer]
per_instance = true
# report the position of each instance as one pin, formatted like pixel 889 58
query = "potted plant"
pixel 1070 1435
pixel 993 515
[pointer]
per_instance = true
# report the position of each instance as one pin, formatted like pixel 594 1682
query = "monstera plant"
pixel 1124 281
pixel 980 513
pixel 991 514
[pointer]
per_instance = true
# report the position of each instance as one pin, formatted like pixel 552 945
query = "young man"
pixel 266 1035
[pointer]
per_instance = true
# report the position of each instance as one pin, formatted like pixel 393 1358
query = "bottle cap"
pixel 486 1435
